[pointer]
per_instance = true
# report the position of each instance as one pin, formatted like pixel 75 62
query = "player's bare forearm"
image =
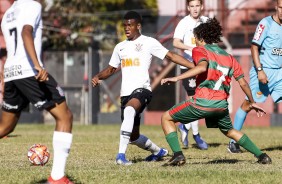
pixel 29 44
pixel 177 43
pixel 246 89
pixel 179 60
pixel 104 74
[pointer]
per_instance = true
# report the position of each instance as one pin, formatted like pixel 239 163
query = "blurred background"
pixel 79 37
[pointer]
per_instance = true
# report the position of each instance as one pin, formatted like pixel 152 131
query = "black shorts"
pixel 189 84
pixel 143 95
pixel 43 95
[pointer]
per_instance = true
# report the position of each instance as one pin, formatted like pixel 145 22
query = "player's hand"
pixel 95 81
pixel 260 111
pixel 42 74
pixel 168 80
pixel 262 77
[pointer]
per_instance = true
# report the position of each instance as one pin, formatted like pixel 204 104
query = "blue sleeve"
pixel 261 32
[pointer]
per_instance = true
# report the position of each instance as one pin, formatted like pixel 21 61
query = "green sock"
pixel 246 143
pixel 172 140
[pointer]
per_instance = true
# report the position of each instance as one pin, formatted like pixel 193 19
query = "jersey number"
pixel 222 77
pixel 14 31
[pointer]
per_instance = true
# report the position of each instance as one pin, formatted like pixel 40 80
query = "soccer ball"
pixel 38 154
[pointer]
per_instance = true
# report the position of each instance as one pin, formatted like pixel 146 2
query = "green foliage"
pixel 73 24
pixel 94 148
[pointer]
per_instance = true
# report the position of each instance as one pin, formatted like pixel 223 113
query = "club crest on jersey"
pixel 192 83
pixel 138 47
pixel 258 94
pixel 259 32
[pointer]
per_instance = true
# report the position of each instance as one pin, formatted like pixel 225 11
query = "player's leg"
pixel 128 114
pixel 62 139
pixel 143 142
pixel 201 143
pixel 8 122
pixel 225 126
pixel 260 93
pixel 169 128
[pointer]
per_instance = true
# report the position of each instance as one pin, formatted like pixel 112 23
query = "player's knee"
pixel 165 117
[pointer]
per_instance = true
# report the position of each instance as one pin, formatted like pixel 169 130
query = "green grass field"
pixel 94 149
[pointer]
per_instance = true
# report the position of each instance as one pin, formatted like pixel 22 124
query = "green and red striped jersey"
pixel 213 86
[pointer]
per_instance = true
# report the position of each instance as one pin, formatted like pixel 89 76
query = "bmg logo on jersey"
pixel 277 51
pixel 128 62
pixel 259 32
pixel 12 71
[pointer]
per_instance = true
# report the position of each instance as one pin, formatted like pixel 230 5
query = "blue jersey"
pixel 268 37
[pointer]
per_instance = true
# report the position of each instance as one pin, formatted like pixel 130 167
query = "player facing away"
pixel 184 40
pixel 266 74
pixel 214 70
pixel 134 56
pixel 26 80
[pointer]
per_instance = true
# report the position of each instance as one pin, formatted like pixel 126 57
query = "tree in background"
pixel 74 24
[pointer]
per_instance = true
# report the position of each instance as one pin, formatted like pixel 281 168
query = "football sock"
pixel 146 144
pixel 126 128
pixel 246 143
pixel 61 145
pixel 172 140
pixel 239 120
pixel 187 126
pixel 195 127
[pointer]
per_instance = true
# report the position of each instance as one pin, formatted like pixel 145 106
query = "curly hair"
pixel 210 31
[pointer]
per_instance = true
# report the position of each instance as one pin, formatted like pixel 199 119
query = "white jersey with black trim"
pixel 135 58
pixel 22 12
pixel 184 32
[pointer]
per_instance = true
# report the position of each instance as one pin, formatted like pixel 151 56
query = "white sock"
pixel 146 144
pixel 195 127
pixel 61 145
pixel 126 128
pixel 187 126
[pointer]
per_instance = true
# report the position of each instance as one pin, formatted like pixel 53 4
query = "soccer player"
pixel 266 74
pixel 134 56
pixel 26 80
pixel 184 39
pixel 214 70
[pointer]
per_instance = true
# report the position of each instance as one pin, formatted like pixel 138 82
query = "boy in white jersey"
pixel 27 81
pixel 134 55
pixel 184 40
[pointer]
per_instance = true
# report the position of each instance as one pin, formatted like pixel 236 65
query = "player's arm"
pixel 104 74
pixel 30 49
pixel 255 55
pixel 178 43
pixel 179 59
pixel 246 89
pixel 200 68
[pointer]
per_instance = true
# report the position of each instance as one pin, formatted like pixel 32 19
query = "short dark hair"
pixel 210 31
pixel 188 1
pixel 133 15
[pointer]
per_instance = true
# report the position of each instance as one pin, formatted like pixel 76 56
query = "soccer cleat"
pixel 162 153
pixel 234 147
pixel 121 160
pixel 176 161
pixel 200 142
pixel 264 159
pixel 63 180
pixel 184 135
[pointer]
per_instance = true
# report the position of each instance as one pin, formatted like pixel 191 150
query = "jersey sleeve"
pixel 238 72
pixel 32 14
pixel 261 32
pixel 199 54
pixel 179 31
pixel 157 49
pixel 115 59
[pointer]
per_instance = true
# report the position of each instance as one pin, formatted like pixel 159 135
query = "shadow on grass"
pixel 209 145
pixel 225 161
pixel 45 181
pixel 272 148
